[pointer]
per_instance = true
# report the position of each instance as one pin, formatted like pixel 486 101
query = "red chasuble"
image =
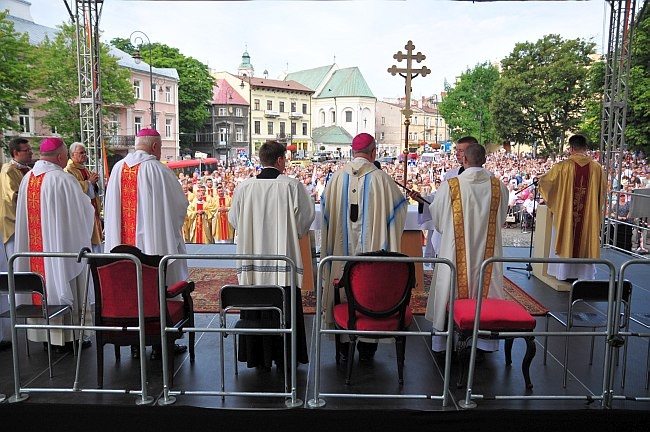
pixel 35 227
pixel 129 204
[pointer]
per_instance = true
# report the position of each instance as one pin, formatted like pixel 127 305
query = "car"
pixel 387 160
pixel 320 157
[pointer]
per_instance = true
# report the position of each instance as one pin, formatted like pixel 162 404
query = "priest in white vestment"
pixel 484 202
pixel 363 210
pixel 54 215
pixel 145 205
pixel 271 212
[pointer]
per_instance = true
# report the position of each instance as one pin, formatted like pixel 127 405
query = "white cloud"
pixel 308 34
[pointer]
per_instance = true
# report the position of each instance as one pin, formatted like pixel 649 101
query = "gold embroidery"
pixel 459 234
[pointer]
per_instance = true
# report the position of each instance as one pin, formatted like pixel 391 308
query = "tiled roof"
pixel 346 82
pixel 279 85
pixel 331 135
pixel 124 59
pixel 225 94
pixel 311 78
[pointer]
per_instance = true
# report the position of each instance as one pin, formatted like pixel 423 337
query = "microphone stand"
pixel 529 268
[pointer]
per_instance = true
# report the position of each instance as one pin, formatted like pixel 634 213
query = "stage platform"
pixel 423 374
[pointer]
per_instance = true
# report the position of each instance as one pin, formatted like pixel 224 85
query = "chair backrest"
pixel 597 291
pixel 252 296
pixel 378 289
pixel 24 283
pixel 115 281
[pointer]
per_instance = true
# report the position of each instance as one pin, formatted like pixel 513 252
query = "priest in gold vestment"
pixel 199 217
pixel 575 191
pixel 88 182
pixel 222 230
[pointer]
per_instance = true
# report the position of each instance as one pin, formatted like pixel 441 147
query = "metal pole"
pixel 139 40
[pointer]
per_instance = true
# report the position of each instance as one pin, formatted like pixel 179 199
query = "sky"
pixel 283 36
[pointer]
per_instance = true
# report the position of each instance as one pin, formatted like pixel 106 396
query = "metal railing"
pixel 318 401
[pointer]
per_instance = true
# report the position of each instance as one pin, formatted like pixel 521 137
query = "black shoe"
pixel 178 349
pixel 5 345
pixel 343 349
pixel 366 351
pixel 135 352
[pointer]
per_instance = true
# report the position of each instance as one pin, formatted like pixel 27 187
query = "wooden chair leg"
pixel 352 346
pixel 531 349
pixel 400 348
pixel 507 346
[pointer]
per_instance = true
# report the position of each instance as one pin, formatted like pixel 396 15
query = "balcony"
pixel 271 113
pixel 120 141
pixel 295 115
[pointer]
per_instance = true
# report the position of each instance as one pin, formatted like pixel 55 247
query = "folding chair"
pixel 33 283
pixel 643 319
pixel 268 300
pixel 582 312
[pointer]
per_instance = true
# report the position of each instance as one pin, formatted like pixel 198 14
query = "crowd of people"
pixel 269 206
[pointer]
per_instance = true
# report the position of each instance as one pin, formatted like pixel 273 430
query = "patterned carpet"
pixel 208 281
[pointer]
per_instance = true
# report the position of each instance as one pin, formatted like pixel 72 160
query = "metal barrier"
pixel 609 333
pixel 645 334
pixel 22 393
pixel 318 401
pixel 168 398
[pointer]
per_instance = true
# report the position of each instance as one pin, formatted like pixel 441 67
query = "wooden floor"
pixel 422 376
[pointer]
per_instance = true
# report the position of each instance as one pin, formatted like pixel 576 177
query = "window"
pixel 281 106
pixel 381 136
pixel 137 124
pixel 223 112
pixel 223 135
pixel 238 112
pixel 137 89
pixel 304 129
pixel 293 107
pixel 168 94
pixel 269 128
pixel 113 126
pixel 168 128
pixel 333 115
pixel 415 120
pixel 154 94
pixel 239 134
pixel 256 105
pixel 269 105
pixel 348 116
pixel 282 129
pixel 293 128
pixel 258 127
pixel 322 118
pixel 304 108
pixel 383 120
pixel 24 120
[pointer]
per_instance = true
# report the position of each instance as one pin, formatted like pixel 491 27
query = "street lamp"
pixel 250 113
pixel 228 98
pixel 137 39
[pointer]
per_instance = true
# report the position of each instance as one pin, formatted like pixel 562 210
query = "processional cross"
pixel 408 73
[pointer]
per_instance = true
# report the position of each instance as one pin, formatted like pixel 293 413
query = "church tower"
pixel 245 67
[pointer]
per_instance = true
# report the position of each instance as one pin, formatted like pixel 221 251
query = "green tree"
pixel 194 89
pixel 590 123
pixel 637 130
pixel 59 87
pixel 542 91
pixel 16 76
pixel 466 106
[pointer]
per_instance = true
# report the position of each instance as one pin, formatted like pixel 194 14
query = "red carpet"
pixel 208 281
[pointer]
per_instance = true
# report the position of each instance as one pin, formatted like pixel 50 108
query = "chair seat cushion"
pixel 370 324
pixel 496 315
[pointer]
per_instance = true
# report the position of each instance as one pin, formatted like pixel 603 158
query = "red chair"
pixel 496 316
pixel 378 295
pixel 116 304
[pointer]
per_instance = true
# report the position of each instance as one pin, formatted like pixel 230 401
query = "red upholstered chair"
pixel 496 316
pixel 378 295
pixel 116 304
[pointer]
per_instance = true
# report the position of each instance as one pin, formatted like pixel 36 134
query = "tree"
pixel 590 124
pixel 466 106
pixel 542 91
pixel 16 74
pixel 194 89
pixel 59 86
pixel 637 130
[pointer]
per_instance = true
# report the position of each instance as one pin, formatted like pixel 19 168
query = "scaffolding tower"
pixel 87 14
pixel 615 93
